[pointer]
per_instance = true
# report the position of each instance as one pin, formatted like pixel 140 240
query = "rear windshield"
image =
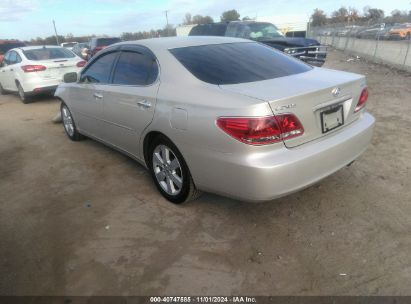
pixel 8 46
pixel 69 44
pixel 107 41
pixel 48 53
pixel 233 63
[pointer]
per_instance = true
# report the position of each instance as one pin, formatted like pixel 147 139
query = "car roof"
pixel 166 43
pixel 33 47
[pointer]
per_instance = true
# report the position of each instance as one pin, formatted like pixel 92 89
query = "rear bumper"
pixel 266 176
pixel 43 90
pixel 34 85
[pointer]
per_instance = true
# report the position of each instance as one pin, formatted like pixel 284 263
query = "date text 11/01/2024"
pixel 200 299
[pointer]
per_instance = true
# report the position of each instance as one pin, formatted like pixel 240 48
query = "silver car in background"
pixel 219 114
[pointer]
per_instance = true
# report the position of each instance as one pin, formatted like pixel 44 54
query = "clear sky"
pixel 25 19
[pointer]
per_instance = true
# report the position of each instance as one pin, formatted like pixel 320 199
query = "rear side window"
pixel 212 29
pixel 99 70
pixel 106 41
pixel 48 54
pixel 12 59
pixel 233 63
pixel 135 69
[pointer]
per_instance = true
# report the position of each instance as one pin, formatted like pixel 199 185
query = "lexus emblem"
pixel 336 92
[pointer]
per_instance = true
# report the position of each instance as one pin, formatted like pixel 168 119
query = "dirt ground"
pixel 77 218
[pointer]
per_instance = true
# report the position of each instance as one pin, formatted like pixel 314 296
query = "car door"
pixel 7 71
pixel 86 96
pixel 4 72
pixel 128 105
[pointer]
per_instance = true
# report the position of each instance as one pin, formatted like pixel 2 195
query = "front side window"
pixel 135 69
pixel 233 63
pixel 45 53
pixel 99 70
pixel 259 31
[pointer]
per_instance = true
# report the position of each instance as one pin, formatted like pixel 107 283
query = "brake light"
pixel 98 48
pixel 33 68
pixel 261 130
pixel 80 64
pixel 362 100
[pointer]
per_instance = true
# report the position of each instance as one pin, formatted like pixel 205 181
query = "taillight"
pixel 362 100
pixel 33 68
pixel 98 48
pixel 80 64
pixel 261 130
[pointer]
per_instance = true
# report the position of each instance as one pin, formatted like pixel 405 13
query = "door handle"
pixel 97 96
pixel 144 103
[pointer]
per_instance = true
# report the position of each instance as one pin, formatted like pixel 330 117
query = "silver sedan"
pixel 218 114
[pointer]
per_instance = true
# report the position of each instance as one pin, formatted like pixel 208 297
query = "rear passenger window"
pixel 12 59
pixel 99 71
pixel 135 69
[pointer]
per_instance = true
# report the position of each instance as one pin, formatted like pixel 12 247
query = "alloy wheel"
pixel 167 170
pixel 67 121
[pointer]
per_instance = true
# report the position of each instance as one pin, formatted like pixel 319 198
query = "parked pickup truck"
pixel 308 50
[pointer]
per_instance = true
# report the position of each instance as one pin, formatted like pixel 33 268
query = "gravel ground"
pixel 82 219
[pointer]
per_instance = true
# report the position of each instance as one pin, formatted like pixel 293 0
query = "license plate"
pixel 332 118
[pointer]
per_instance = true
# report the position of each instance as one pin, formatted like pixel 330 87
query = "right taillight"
pixel 33 68
pixel 261 130
pixel 362 100
pixel 80 64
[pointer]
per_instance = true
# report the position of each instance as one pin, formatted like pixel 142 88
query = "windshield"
pixel 233 63
pixel 107 41
pixel 8 46
pixel 262 31
pixel 48 53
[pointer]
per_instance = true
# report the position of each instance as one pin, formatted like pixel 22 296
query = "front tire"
pixel 170 172
pixel 23 95
pixel 68 123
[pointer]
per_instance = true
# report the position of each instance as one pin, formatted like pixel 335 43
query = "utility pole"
pixel 55 31
pixel 168 32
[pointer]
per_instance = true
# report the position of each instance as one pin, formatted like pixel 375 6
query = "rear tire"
pixel 23 95
pixel 68 124
pixel 170 172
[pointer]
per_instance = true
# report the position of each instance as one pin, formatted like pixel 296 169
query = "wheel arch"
pixel 148 139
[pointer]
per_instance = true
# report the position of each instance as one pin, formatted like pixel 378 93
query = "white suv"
pixel 36 69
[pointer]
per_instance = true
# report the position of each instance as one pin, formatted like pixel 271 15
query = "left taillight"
pixel 80 64
pixel 33 68
pixel 261 130
pixel 362 100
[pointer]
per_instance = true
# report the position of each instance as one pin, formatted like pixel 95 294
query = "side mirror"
pixel 70 77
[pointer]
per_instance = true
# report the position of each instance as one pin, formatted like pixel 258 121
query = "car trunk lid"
pixel 308 95
pixel 56 68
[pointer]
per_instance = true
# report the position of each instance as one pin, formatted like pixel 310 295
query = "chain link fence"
pixel 379 42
